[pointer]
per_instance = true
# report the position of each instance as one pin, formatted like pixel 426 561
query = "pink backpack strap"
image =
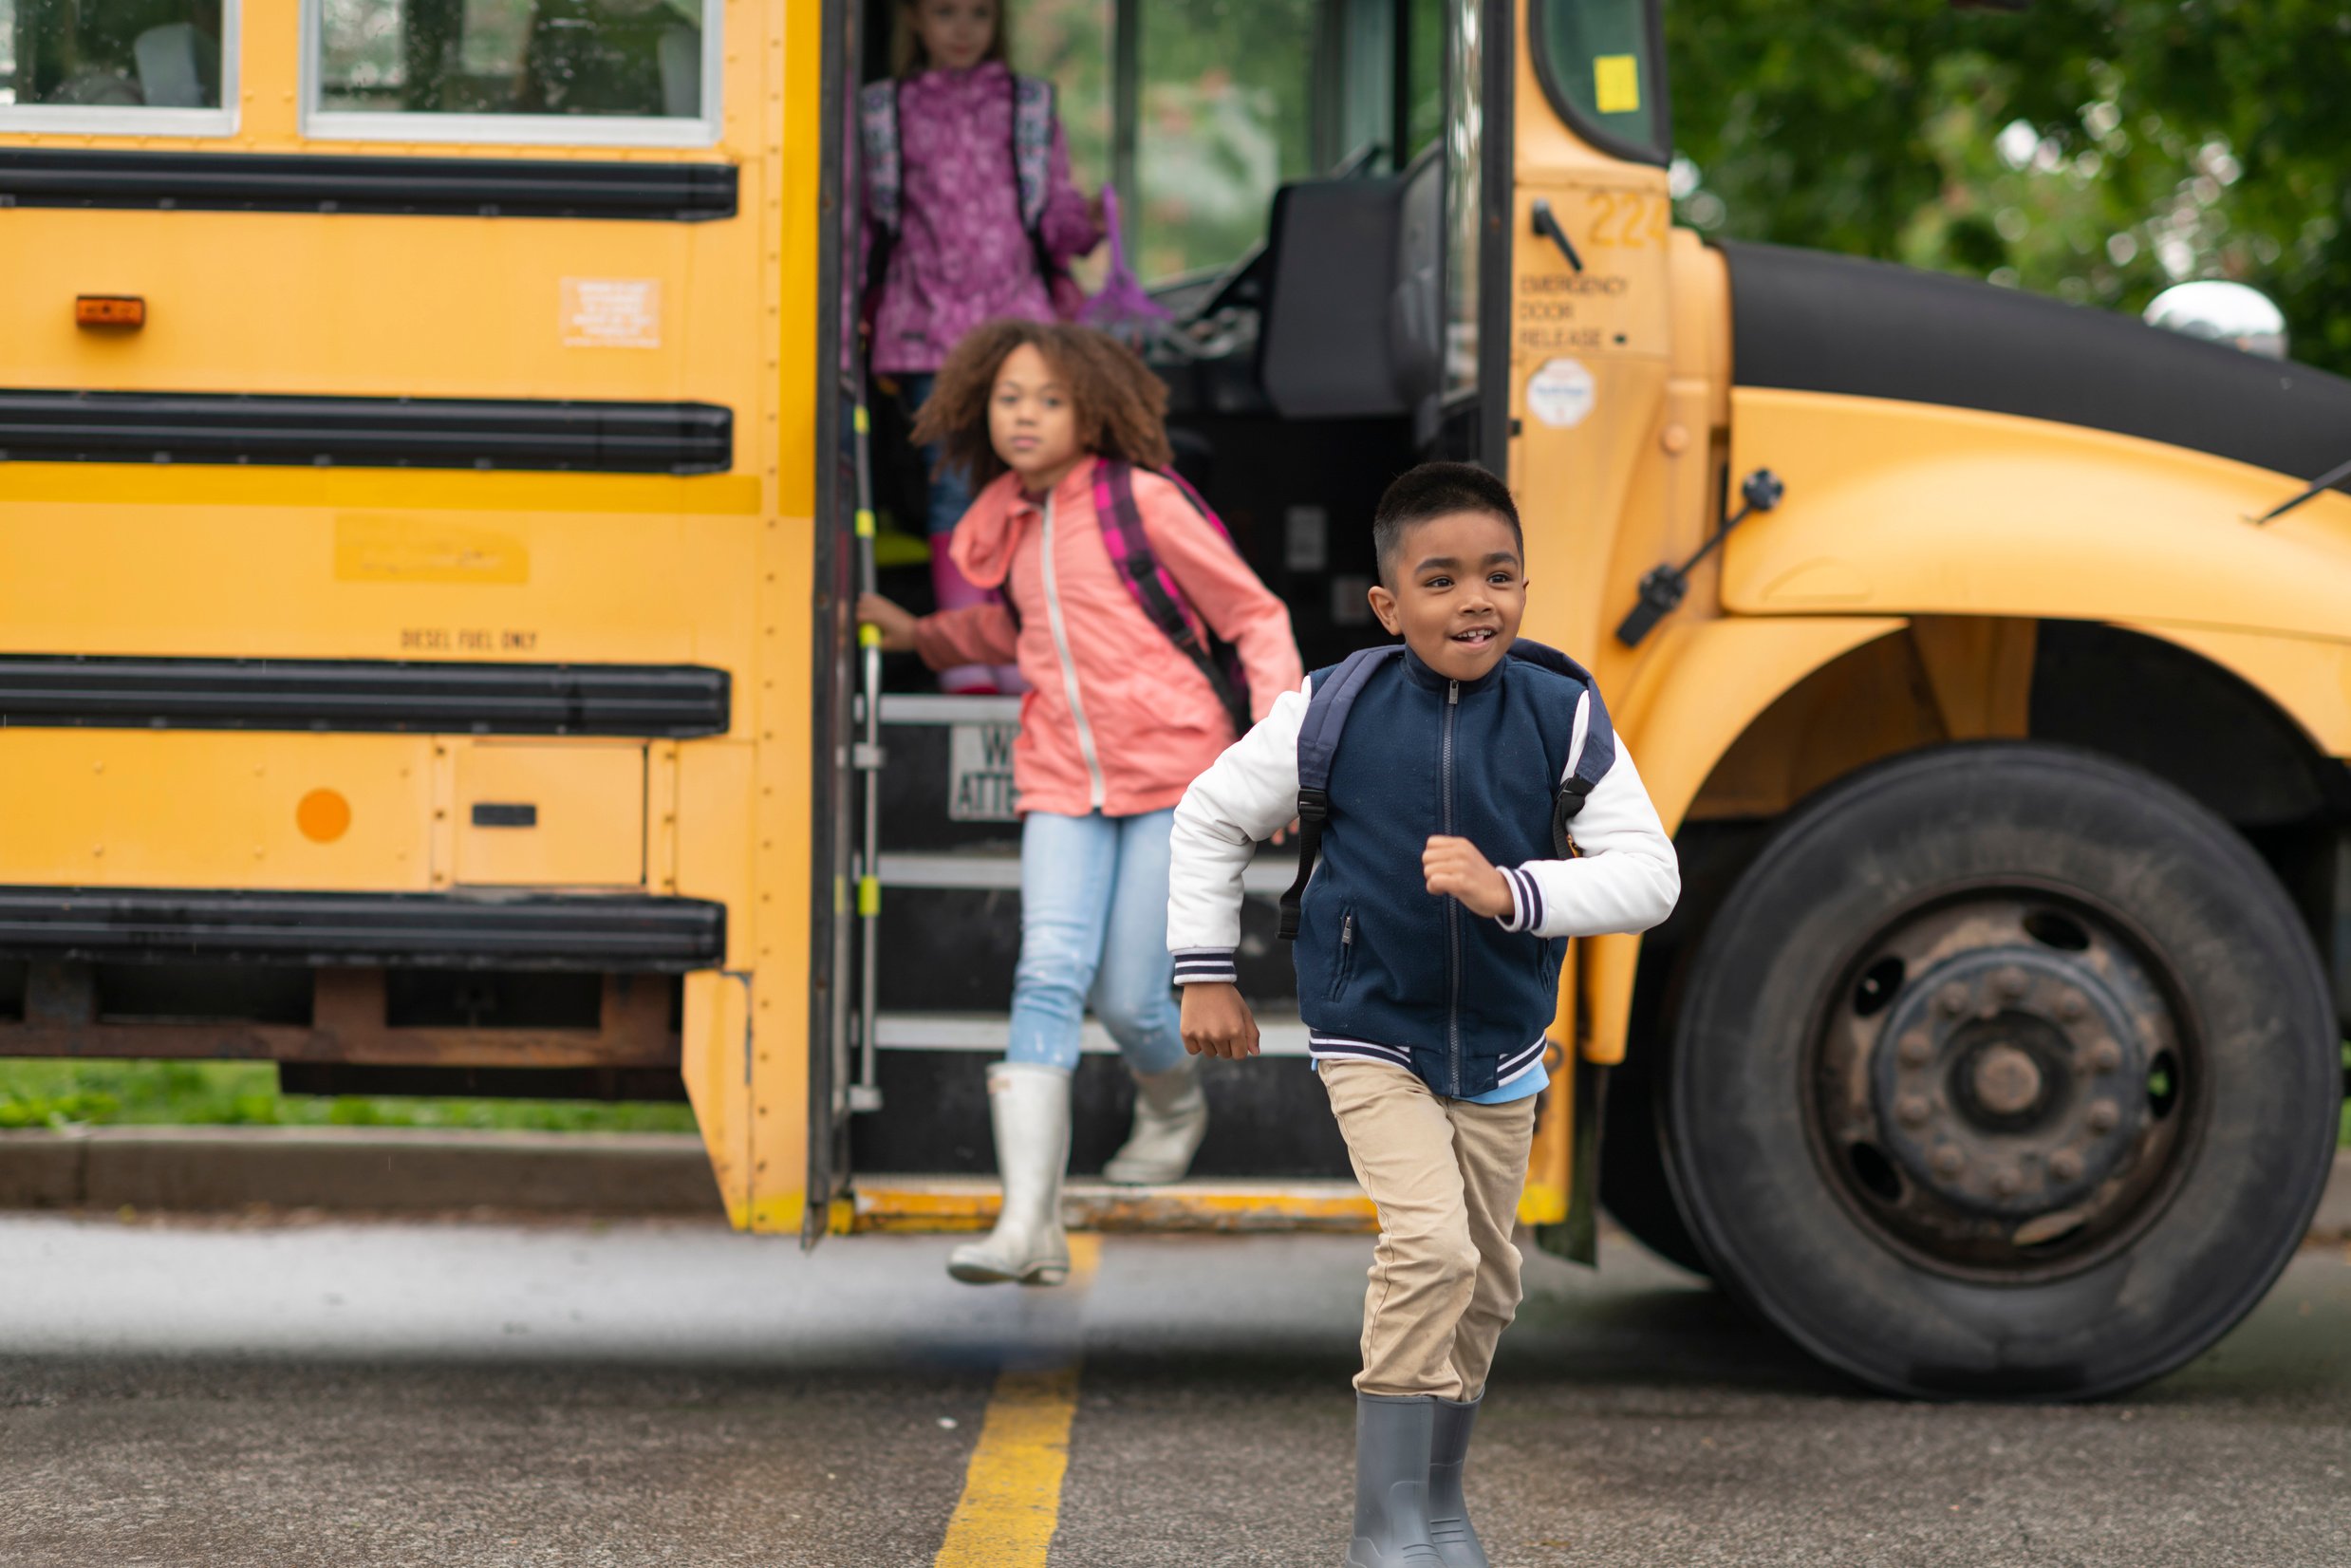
pixel 1155 591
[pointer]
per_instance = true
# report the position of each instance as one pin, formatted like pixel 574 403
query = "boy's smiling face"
pixel 1455 589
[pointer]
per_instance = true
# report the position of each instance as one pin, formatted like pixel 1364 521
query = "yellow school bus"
pixel 435 485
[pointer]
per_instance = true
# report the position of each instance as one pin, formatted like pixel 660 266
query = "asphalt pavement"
pixel 459 1393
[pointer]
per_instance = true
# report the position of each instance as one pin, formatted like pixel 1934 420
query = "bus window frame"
pixel 123 120
pixel 516 130
pixel 1490 390
pixel 1599 137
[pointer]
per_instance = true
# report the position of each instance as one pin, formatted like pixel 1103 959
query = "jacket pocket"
pixel 1344 970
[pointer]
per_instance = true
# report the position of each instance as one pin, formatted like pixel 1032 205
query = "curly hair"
pixel 1121 406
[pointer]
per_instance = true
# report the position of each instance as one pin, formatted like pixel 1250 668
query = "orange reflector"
pixel 323 816
pixel 109 310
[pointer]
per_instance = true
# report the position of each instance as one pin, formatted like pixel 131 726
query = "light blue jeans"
pixel 1094 927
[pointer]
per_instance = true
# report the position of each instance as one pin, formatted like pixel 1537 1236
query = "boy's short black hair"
pixel 1437 490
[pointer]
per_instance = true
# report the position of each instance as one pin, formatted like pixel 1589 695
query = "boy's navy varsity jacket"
pixel 1387 971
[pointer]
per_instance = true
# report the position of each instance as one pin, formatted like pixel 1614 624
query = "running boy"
pixel 1428 952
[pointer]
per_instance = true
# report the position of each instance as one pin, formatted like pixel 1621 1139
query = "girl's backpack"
pixel 1031 162
pixel 1139 568
pixel 1155 592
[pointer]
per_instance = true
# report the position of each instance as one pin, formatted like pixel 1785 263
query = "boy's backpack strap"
pixel 877 128
pixel 1032 147
pixel 1138 567
pixel 1327 707
pixel 1597 754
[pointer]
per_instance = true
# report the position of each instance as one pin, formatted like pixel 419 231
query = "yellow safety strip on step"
pixel 1012 1489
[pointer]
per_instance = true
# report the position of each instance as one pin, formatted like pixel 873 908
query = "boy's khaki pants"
pixel 1446 1176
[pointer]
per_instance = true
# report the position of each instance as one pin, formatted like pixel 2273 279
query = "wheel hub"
pixel 2009 1081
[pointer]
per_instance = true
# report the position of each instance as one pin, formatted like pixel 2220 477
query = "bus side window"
pixel 1602 61
pixel 641 60
pixel 110 54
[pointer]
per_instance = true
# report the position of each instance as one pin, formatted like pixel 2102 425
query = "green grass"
pixel 85 1094
pixel 100 1094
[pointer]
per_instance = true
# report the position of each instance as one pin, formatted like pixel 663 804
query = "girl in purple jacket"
pixel 969 215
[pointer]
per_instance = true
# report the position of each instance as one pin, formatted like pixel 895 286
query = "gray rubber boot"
pixel 1449 1513
pixel 1030 1106
pixel 1170 1118
pixel 1392 1436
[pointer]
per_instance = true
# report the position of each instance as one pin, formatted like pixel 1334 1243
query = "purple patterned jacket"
pixel 961 255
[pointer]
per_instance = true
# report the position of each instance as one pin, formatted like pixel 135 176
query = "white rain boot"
pixel 1030 1106
pixel 1170 1119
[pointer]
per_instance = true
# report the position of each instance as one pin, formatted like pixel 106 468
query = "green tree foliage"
pixel 2096 150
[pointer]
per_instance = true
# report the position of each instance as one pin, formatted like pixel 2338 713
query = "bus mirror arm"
pixel 1664 587
pixel 2325 482
pixel 1547 227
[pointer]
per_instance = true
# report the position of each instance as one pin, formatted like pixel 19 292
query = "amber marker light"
pixel 323 816
pixel 109 310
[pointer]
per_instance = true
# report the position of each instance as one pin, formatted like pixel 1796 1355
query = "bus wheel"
pixel 2004 1071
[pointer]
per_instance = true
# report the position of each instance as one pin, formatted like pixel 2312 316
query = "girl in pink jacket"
pixel 1117 722
pixel 969 215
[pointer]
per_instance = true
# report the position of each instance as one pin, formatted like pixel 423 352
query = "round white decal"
pixel 1560 394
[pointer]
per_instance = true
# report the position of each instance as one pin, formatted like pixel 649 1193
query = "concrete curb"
pixel 386 1170
pixel 416 1170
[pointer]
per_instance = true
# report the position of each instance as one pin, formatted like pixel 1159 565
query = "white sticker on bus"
pixel 1560 394
pixel 611 313
pixel 979 787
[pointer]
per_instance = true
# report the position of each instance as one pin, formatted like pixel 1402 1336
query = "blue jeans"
pixel 1093 926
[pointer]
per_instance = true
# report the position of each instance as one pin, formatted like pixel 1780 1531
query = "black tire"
pixel 1960 900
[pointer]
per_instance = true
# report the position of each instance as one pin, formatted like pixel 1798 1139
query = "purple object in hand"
pixel 1122 308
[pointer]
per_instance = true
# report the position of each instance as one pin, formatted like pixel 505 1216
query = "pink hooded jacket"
pixel 1116 719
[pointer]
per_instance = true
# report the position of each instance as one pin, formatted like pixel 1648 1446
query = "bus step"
pixel 998 871
pixel 1278 1033
pixel 929 1203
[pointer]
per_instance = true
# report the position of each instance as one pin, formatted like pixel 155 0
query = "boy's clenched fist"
pixel 1454 866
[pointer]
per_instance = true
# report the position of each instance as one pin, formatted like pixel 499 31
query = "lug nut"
pixel 2003 1183
pixel 1918 1050
pixel 2102 1117
pixel 2065 1165
pixel 2107 1056
pixel 1952 998
pixel 2072 1006
pixel 1948 1162
pixel 1913 1110
pixel 2010 983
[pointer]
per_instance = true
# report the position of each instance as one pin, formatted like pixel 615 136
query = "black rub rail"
pixel 606 932
pixel 51 691
pixel 226 427
pixel 534 186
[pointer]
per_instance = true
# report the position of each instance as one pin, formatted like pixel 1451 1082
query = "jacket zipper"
pixel 1452 906
pixel 1096 796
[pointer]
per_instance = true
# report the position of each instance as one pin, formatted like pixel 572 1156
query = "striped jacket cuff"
pixel 1526 900
pixel 1206 966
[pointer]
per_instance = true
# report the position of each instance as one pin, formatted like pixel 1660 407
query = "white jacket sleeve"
pixel 1628 878
pixel 1247 795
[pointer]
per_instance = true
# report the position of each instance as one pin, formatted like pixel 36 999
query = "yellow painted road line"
pixel 1012 1491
